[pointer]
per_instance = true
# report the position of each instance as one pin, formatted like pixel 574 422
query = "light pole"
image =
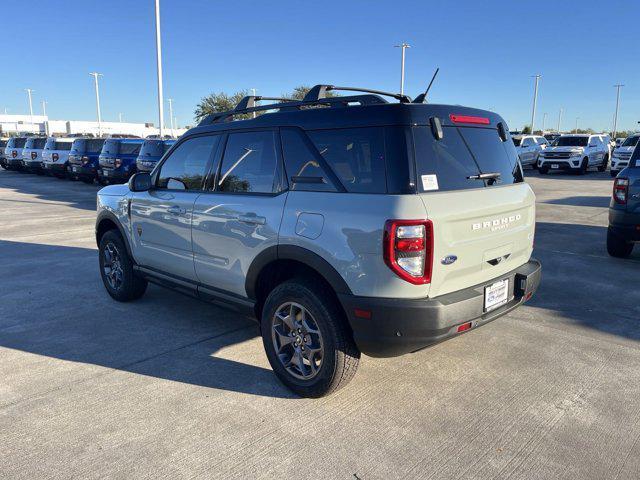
pixel 159 67
pixel 95 76
pixel 120 117
pixel 170 100
pixel 29 92
pixel 535 101
pixel 544 120
pixel 46 120
pixel 615 118
pixel 576 129
pixel 403 46
pixel 559 119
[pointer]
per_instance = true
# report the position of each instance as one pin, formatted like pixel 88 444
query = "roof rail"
pixel 250 101
pixel 319 92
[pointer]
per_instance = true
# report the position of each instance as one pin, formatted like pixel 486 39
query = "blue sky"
pixel 486 51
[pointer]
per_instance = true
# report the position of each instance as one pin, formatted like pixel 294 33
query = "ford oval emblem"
pixel 448 260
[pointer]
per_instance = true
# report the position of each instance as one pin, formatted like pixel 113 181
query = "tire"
pixel 333 340
pixel 584 166
pixel 617 246
pixel 543 170
pixel 604 165
pixel 124 285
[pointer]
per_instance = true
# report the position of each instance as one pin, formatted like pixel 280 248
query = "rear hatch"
pixel 471 184
pixel 633 174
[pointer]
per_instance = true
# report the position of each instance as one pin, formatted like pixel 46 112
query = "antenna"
pixel 422 98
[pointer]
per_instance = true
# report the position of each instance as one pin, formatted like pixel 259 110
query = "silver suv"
pixel 344 224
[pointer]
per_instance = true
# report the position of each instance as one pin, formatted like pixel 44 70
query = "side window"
pixel 186 168
pixel 249 163
pixel 356 155
pixel 303 169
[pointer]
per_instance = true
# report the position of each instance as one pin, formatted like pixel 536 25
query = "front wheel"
pixel 584 166
pixel 116 269
pixel 605 162
pixel 617 246
pixel 307 340
pixel 543 170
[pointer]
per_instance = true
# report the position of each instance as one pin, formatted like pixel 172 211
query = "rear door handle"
pixel 176 210
pixel 253 219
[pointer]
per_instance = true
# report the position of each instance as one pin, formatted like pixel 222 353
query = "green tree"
pixel 526 130
pixel 218 102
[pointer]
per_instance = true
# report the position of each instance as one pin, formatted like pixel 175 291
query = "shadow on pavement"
pixel 72 193
pixel 60 312
pixel 581 201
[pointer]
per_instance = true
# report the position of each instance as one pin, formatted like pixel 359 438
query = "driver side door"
pixel 161 217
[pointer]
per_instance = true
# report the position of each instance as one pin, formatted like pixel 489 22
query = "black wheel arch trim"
pixel 300 254
pixel 107 215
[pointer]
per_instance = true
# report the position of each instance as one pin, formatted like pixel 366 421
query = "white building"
pixel 12 124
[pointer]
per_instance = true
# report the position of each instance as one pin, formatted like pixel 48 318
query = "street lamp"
pixel 559 119
pixel 615 118
pixel 159 68
pixel 46 120
pixel 535 100
pixel 544 120
pixel 29 92
pixel 403 46
pixel 170 100
pixel 95 76
pixel 576 129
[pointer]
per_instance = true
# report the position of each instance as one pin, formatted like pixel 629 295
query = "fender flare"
pixel 299 254
pixel 107 215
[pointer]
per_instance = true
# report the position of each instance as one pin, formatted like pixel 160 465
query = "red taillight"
pixel 117 163
pixel 14 154
pixel 85 159
pixel 469 119
pixel 620 190
pixel 464 327
pixel 408 249
pixel 34 155
pixel 55 157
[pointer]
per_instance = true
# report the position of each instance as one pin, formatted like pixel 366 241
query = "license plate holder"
pixel 496 295
pixel 555 166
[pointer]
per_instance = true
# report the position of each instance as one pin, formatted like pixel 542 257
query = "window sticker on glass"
pixel 429 182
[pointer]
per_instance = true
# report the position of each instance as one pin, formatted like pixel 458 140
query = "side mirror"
pixel 140 182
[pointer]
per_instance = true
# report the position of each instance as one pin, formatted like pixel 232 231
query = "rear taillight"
pixel 621 190
pixel 408 249
pixel 55 157
pixel 84 159
pixel 117 163
pixel 34 155
pixel 14 154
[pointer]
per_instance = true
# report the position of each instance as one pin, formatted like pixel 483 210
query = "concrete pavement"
pixel 170 387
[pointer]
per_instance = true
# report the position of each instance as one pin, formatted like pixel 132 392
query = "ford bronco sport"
pixel 343 224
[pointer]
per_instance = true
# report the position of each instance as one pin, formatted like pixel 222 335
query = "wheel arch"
pixel 108 221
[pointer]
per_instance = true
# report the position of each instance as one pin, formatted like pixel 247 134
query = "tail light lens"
pixel 621 190
pixel 55 157
pixel 84 159
pixel 34 155
pixel 408 249
pixel 14 154
pixel 117 163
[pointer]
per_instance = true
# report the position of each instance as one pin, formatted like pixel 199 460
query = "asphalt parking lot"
pixel 169 387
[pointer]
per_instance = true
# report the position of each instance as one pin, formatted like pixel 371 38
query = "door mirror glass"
pixel 140 182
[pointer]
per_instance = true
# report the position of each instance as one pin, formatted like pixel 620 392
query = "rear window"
pixel 571 142
pixel 39 143
pixel 151 148
pixel 356 155
pixel 62 146
pixel 450 163
pixel 516 141
pixel 129 148
pixel 110 147
pixel 630 142
pixel 94 146
pixel 19 142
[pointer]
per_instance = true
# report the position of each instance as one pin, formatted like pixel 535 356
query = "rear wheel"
pixel 605 163
pixel 307 340
pixel 617 246
pixel 116 269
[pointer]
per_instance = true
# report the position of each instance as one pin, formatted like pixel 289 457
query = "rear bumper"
pixel 114 175
pixel 54 167
pixel 625 225
pixel 33 165
pixel 399 326
pixel 14 162
pixel 82 171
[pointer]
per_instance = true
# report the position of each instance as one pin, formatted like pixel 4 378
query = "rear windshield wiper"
pixel 485 176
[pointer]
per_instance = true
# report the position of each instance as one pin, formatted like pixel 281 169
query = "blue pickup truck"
pixel 624 209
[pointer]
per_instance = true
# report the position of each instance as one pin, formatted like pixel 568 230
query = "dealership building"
pixel 40 124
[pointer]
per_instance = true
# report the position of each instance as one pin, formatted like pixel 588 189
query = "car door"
pixel 240 216
pixel 596 151
pixel 527 151
pixel 161 217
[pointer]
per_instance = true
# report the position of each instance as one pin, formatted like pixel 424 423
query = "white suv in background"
pixel 576 153
pixel 622 154
pixel 529 148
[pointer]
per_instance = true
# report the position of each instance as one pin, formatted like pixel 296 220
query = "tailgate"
pixel 489 230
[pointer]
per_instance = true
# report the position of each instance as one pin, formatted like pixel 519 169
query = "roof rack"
pixel 315 96
pixel 320 92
